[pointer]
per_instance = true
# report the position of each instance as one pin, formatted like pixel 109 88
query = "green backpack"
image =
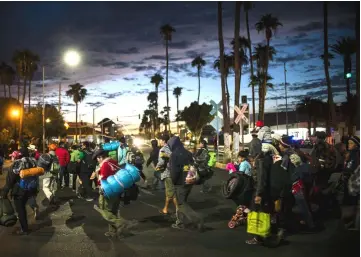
pixel 55 166
pixel 212 159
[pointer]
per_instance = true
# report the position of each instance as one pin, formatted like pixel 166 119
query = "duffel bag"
pixel 7 213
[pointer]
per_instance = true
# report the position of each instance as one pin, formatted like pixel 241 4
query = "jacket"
pixel 107 168
pixel 153 157
pixel 201 158
pixel 76 156
pixel 63 156
pixel 87 164
pixel 122 154
pixel 255 147
pixel 263 169
pixel 179 158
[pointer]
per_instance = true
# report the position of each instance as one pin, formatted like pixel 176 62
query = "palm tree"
pixel 153 100
pixel 228 66
pixel 156 79
pixel 330 103
pixel 24 61
pixel 7 76
pixel 248 6
pixel 177 92
pixel 330 57
pixel 269 25
pixel 305 107
pixel 166 31
pixel 2 76
pixel 260 57
pixel 199 63
pixel 33 69
pixel 78 93
pixel 223 83
pixel 345 47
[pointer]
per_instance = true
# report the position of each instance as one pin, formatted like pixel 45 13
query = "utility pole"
pixel 59 107
pixel 285 71
pixel 43 109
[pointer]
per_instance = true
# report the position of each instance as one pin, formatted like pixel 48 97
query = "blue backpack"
pixel 29 183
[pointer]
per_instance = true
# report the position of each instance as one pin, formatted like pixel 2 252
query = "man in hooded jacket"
pixel 180 158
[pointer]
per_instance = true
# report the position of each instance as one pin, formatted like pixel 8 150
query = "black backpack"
pixel 88 163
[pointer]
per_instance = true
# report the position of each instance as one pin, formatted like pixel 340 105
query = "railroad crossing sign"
pixel 217 108
pixel 241 114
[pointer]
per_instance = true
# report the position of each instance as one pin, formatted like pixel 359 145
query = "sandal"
pixel 163 213
pixel 252 241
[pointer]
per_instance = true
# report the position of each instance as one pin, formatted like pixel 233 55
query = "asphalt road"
pixel 76 229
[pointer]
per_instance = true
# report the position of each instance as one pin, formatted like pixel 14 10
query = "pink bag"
pixel 231 168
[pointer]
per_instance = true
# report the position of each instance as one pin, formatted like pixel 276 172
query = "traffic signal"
pixel 244 99
pixel 348 75
pixel 347 72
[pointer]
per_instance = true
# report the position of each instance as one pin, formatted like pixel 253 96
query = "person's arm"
pixel 149 161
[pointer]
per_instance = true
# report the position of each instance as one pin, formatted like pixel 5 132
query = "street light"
pixel 15 113
pixel 72 58
pixel 48 120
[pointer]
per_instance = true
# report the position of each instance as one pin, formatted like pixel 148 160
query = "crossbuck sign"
pixel 241 114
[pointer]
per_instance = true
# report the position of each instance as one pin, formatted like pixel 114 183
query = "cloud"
pixel 94 104
pixel 130 79
pixel 132 50
pixel 180 45
pixel 144 68
pixel 292 58
pixel 311 26
pixel 117 65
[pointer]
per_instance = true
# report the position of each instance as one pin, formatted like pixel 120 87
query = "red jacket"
pixel 108 168
pixel 63 156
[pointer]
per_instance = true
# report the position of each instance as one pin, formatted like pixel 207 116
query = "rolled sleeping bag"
pixel 111 146
pixel 233 187
pixel 37 171
pixel 122 180
pixel 7 213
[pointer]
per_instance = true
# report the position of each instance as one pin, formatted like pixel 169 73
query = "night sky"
pixel 121 48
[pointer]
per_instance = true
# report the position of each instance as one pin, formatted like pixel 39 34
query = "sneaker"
pixel 178 226
pixel 109 234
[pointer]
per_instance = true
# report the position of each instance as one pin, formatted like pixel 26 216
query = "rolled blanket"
pixel 31 172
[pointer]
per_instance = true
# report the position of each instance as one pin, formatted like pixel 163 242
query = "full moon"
pixel 72 58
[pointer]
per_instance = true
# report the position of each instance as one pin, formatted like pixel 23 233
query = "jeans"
pixel 185 214
pixel 306 214
pixel 20 207
pixel 63 174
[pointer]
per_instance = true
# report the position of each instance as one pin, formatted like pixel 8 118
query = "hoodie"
pixel 122 154
pixel 63 156
pixel 153 157
pixel 178 159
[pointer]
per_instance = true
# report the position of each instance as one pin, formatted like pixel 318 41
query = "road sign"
pixel 217 108
pixel 241 114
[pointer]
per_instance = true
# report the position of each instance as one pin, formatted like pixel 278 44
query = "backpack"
pixel 130 157
pixel 28 183
pixel 212 159
pixel 55 166
pixel 88 161
pixel 138 159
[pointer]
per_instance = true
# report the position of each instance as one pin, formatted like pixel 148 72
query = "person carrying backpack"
pixel 87 168
pixel 108 206
pixel 136 158
pixel 22 189
pixel 74 164
pixel 51 175
pixel 64 158
pixel 201 159
pixel 122 152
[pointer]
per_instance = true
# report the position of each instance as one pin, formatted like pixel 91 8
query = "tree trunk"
pixel 21 127
pixel 261 102
pixel 350 125
pixel 357 30
pixel 228 100
pixel 156 107
pixel 76 123
pixel 29 94
pixel 264 84
pixel 252 74
pixel 18 90
pixel 177 113
pixel 4 90
pixel 9 91
pixel 237 73
pixel 348 90
pixel 199 83
pixel 331 108
pixel 309 126
pixel 166 81
pixel 223 83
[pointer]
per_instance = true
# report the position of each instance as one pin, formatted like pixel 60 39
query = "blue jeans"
pixel 63 174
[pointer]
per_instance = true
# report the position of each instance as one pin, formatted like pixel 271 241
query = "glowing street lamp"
pixel 72 58
pixel 15 113
pixel 48 120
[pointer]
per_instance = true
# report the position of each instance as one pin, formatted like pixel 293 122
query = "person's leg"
pixel 88 192
pixel 66 177
pixel 20 207
pixel 61 176
pixel 75 176
pixel 306 214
